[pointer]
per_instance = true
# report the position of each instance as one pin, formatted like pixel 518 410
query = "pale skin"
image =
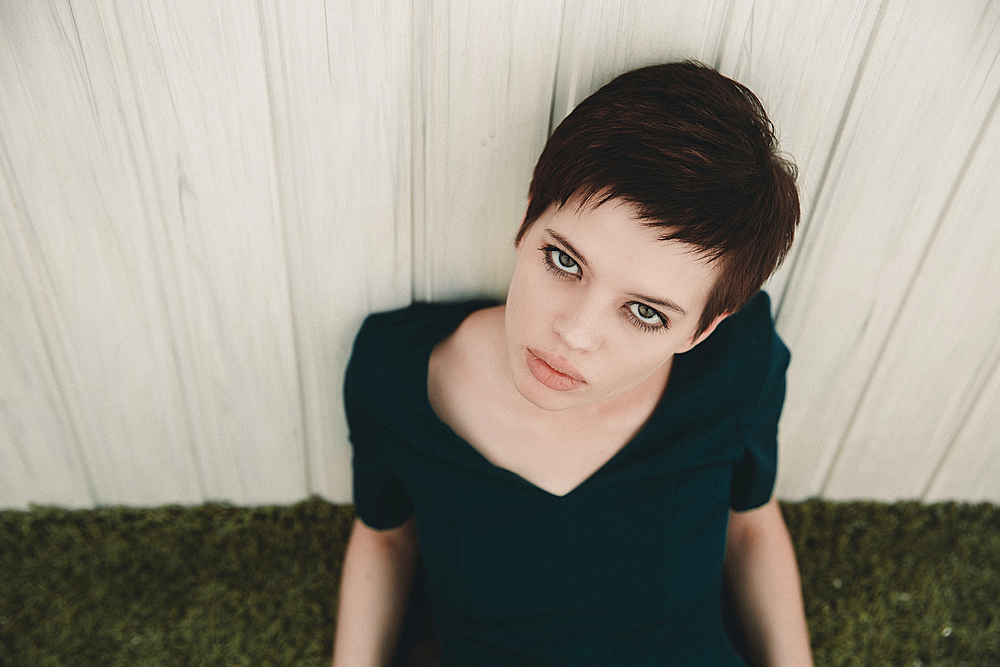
pixel 598 296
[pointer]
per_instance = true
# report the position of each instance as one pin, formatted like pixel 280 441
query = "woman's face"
pixel 598 305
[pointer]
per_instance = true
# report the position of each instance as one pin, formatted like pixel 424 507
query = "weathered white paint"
pixel 483 88
pixel 858 422
pixel 200 201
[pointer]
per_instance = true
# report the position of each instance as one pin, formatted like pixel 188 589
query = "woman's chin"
pixel 546 398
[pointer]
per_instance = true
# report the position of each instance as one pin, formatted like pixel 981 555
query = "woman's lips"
pixel 553 373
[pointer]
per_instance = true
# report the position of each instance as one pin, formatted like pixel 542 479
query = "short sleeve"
pixel 754 474
pixel 380 499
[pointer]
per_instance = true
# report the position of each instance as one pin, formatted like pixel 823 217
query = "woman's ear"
pixel 704 334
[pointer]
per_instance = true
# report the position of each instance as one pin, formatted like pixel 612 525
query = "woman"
pixel 581 467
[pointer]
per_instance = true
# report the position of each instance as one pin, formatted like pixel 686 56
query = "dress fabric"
pixel 625 569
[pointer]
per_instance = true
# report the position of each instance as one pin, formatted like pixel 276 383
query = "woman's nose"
pixel 579 328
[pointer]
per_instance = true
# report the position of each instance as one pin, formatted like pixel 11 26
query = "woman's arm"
pixel 764 580
pixel 374 589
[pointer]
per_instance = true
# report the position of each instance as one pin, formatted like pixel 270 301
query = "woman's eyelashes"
pixel 563 265
pixel 647 318
pixel 560 262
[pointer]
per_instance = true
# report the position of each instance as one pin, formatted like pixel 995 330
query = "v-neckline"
pixel 481 458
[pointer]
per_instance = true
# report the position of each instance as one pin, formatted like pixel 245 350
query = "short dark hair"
pixel 694 153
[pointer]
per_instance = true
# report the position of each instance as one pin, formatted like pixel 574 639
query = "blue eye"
pixel 565 262
pixel 559 261
pixel 646 318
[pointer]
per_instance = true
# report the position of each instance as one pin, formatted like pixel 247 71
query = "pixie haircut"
pixel 695 154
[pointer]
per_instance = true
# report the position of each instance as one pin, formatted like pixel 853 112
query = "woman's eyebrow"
pixel 569 246
pixel 665 303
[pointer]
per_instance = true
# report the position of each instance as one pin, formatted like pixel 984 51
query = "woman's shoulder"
pixel 743 354
pixel 410 324
pixel 398 342
pixel 747 336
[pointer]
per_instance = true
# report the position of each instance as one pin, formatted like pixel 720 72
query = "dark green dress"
pixel 626 569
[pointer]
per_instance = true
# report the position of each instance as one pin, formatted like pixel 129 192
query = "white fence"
pixel 201 199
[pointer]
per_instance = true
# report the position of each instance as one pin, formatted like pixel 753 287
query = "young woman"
pixel 581 468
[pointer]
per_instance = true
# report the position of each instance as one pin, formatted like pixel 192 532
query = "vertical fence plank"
pixel 971 468
pixel 39 446
pixel 604 39
pixel 85 229
pixel 483 99
pixel 896 163
pixel 945 340
pixel 339 76
pixel 208 130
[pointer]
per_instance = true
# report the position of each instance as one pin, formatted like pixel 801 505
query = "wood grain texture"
pixel 944 343
pixel 83 233
pixel 201 201
pixel 483 95
pixel 339 83
pixel 603 39
pixel 901 154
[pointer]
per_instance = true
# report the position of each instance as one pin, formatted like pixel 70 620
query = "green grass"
pixel 903 584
